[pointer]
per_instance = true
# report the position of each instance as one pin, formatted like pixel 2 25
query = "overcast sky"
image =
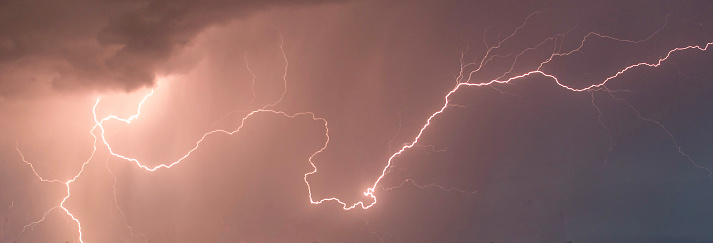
pixel 536 159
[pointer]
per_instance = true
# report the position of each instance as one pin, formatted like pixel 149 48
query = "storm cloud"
pixel 104 44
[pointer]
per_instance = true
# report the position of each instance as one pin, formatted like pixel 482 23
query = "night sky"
pixel 356 121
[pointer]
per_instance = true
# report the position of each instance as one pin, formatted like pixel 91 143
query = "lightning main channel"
pixel 464 79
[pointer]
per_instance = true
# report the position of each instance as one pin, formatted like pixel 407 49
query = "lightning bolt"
pixel 252 83
pixel 463 80
pixel 431 185
pixel 379 235
pixel 7 215
pixel 599 119
pixel 67 184
pixel 466 82
pixel 116 202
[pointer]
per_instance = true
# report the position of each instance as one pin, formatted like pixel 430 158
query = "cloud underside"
pixel 82 44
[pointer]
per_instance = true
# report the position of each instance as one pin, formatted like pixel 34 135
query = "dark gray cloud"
pixel 103 44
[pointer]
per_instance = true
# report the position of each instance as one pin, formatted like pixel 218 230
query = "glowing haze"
pixel 348 121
